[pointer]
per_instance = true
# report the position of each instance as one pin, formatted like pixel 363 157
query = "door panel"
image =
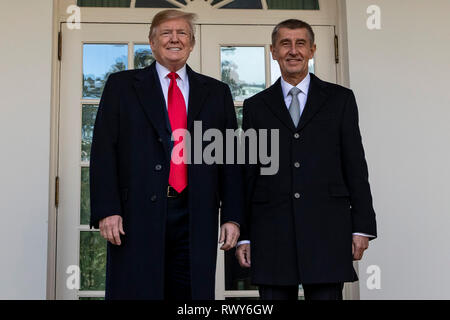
pixel 240 57
pixel 89 55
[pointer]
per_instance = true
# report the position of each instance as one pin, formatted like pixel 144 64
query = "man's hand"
pixel 360 243
pixel 110 227
pixel 229 233
pixel 243 255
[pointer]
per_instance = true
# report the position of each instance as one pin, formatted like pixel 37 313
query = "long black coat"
pixel 300 221
pixel 129 172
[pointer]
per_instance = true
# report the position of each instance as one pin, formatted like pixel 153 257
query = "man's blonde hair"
pixel 170 14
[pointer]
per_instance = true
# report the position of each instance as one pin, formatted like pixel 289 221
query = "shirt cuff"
pixel 363 234
pixel 242 242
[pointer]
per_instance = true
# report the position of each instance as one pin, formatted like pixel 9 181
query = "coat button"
pixel 153 198
pixel 296 135
pixel 158 167
pixel 297 165
pixel 159 139
pixel 297 195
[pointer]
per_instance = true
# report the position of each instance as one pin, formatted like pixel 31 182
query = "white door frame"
pixel 213 37
pixel 331 13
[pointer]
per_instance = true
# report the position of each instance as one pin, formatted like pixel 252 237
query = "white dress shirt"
pixel 182 82
pixel 302 97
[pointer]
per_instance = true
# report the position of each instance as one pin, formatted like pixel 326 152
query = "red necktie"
pixel 178 120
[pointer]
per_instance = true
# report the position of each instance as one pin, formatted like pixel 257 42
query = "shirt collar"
pixel 163 72
pixel 303 85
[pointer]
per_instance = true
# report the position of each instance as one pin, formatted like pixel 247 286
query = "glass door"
pixel 240 57
pixel 89 55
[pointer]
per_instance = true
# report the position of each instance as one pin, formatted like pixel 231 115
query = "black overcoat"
pixel 129 172
pixel 300 221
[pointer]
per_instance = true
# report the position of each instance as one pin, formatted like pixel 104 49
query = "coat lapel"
pixel 317 95
pixel 197 95
pixel 150 95
pixel 275 101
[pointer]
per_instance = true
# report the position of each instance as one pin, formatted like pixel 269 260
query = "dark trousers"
pixel 321 291
pixel 177 284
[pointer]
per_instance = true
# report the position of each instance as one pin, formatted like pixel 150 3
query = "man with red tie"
pixel 161 215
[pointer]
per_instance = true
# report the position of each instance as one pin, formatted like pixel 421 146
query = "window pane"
pixel 275 69
pixel 89 113
pixel 243 69
pixel 85 203
pixel 92 260
pixel 143 56
pixel 154 4
pixel 236 277
pixel 239 114
pixel 293 4
pixel 99 61
pixel 104 3
pixel 243 4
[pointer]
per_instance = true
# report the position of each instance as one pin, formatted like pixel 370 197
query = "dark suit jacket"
pixel 129 172
pixel 307 238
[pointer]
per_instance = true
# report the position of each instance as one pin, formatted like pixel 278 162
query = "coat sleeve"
pixel 356 172
pixel 103 173
pixel 231 188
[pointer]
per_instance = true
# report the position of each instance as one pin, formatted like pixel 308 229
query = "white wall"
pixel 400 75
pixel 25 91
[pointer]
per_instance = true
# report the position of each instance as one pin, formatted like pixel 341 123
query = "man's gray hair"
pixel 293 24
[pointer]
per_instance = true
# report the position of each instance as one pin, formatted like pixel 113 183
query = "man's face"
pixel 171 44
pixel 293 50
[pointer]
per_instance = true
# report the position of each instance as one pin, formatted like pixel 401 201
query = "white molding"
pixel 90 294
pixel 206 13
pixel 53 160
pixel 249 293
pixel 351 289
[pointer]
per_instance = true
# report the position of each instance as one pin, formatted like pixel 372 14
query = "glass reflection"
pixel 236 277
pixel 89 113
pixel 243 69
pixel 85 203
pixel 243 4
pixel 92 261
pixel 143 56
pixel 99 61
pixel 293 4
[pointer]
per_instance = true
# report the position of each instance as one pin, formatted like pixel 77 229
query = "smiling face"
pixel 171 43
pixel 293 50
